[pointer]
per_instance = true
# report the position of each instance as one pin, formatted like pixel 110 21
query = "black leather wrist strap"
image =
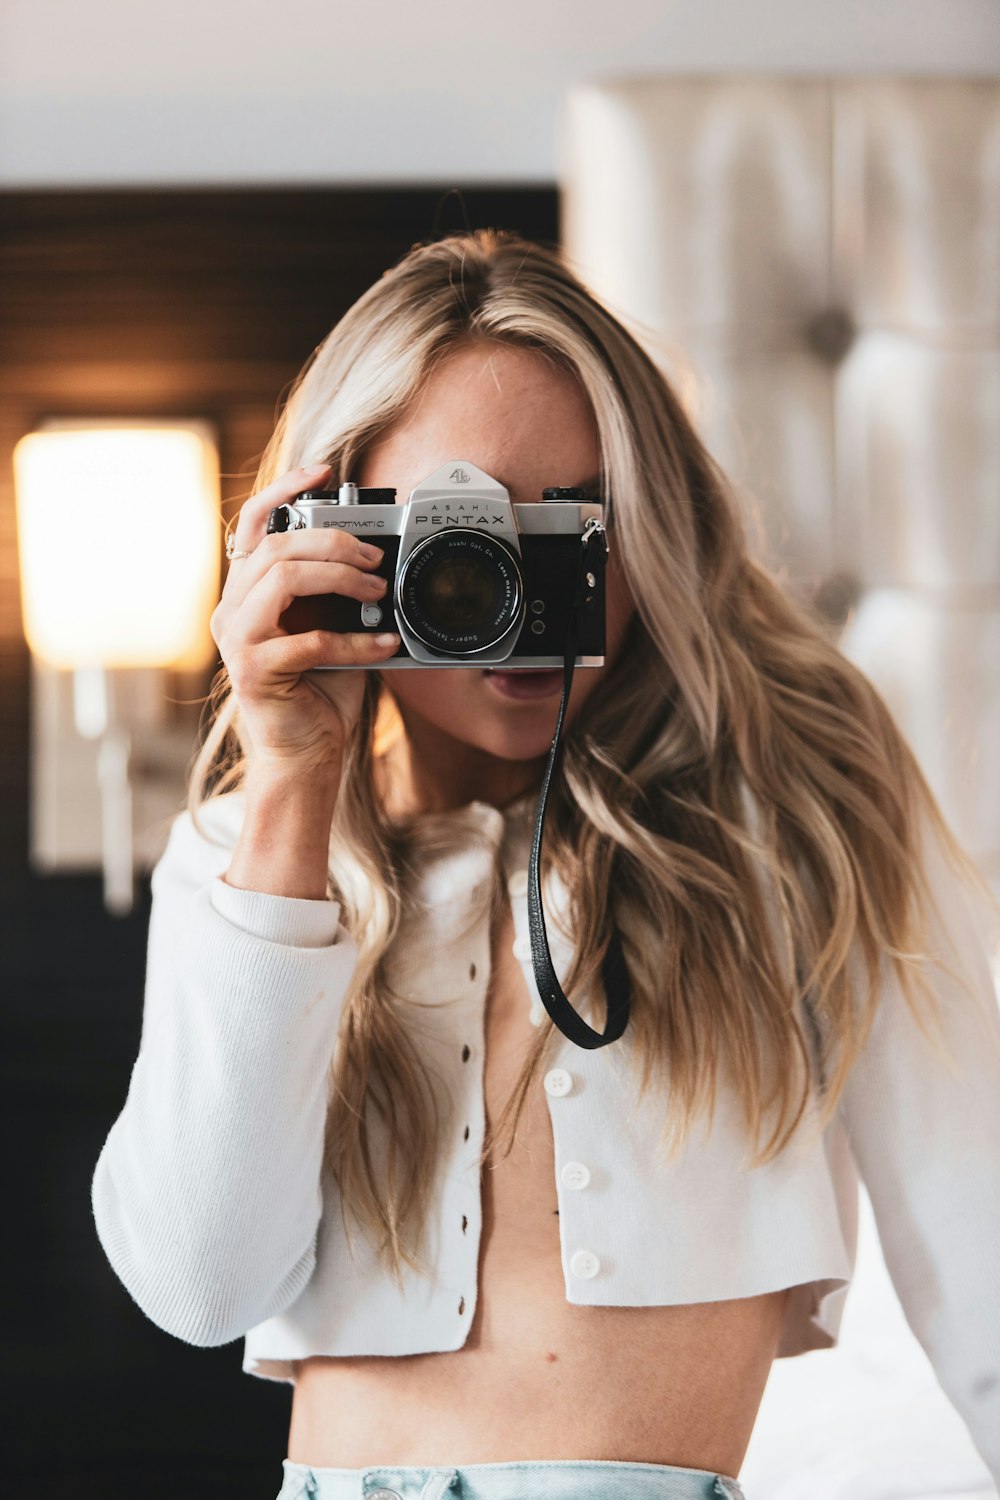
pixel 593 556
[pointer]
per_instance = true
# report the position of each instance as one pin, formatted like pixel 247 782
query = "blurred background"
pixel 794 205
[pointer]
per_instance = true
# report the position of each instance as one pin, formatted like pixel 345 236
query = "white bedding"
pixel 866 1420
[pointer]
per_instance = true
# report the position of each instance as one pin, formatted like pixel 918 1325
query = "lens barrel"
pixel 461 593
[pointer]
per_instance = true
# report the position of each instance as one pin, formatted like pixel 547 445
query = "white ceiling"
pixel 285 91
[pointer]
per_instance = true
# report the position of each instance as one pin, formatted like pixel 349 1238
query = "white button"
pixel 522 946
pixel 537 1014
pixel 584 1263
pixel 575 1175
pixel 517 885
pixel 557 1081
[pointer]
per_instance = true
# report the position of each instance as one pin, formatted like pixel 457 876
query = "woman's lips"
pixel 525 682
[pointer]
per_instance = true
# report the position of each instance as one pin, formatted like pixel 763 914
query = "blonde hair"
pixel 734 796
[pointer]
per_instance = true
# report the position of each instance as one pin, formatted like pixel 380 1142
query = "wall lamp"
pixel 118 525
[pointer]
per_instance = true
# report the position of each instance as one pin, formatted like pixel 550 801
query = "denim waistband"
pixel 528 1479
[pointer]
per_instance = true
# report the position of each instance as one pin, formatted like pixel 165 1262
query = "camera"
pixel 473 579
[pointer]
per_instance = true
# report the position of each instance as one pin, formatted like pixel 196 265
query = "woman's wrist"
pixel 283 848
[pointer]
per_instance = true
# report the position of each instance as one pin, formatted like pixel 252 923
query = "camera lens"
pixel 461 593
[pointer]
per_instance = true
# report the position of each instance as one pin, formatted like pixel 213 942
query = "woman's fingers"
pixel 285 566
pixel 252 522
pixel 315 543
pixel 257 617
pixel 287 709
pixel 253 670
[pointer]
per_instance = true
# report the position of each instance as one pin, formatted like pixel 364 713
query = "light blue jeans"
pixel 530 1479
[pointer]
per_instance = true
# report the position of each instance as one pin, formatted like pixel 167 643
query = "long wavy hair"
pixel 735 796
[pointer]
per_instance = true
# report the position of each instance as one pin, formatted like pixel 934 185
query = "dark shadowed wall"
pixel 140 303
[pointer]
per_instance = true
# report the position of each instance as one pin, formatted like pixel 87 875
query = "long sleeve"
pixel 927 1146
pixel 206 1195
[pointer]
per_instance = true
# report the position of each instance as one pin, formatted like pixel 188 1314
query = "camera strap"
pixel 617 989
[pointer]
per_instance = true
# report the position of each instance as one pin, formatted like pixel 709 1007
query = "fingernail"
pixel 373 554
pixel 317 468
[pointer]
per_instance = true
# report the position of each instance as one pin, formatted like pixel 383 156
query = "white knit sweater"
pixel 212 1206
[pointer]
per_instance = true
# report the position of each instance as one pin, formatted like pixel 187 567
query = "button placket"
pixel 476 979
pixel 558 1082
pixel 584 1263
pixel 575 1174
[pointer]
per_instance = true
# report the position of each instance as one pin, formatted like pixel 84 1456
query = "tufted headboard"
pixel 816 263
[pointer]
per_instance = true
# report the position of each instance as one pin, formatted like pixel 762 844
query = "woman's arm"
pixel 927 1145
pixel 206 1194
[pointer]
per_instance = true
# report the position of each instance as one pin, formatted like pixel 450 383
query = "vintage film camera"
pixel 473 580
pixel 477 581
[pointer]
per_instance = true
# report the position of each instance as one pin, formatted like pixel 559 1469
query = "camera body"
pixel 473 580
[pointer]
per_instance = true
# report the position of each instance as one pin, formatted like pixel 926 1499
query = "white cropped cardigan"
pixel 213 1208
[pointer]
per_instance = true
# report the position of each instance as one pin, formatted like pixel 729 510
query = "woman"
pixel 490 1262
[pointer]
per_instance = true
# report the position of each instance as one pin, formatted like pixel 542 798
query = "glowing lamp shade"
pixel 118 540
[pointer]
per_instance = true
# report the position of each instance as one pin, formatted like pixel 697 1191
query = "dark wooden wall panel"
pixel 166 303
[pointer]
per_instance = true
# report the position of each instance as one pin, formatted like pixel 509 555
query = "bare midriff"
pixel 540 1377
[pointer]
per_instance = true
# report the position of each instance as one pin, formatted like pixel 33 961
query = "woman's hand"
pixel 295 717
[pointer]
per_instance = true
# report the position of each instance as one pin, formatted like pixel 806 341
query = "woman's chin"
pixel 486 711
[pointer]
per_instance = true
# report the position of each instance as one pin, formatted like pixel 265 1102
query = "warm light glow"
pixel 118 538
